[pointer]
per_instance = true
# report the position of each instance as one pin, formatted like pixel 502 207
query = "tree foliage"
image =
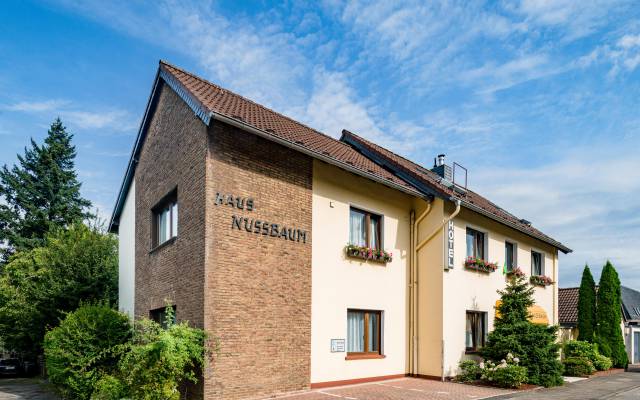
pixel 609 317
pixel 40 194
pixel 533 344
pixel 38 286
pixel 97 353
pixel 587 307
pixel 84 348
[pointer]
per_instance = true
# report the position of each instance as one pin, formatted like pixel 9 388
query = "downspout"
pixel 420 245
pixel 413 318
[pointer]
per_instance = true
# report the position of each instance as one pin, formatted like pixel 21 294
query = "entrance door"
pixel 636 347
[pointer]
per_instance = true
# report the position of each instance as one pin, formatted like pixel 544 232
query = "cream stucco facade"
pixel 444 295
pixel 340 283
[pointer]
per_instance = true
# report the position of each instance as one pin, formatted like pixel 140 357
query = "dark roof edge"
pixel 205 115
pixel 292 145
pixel 192 102
pixel 402 173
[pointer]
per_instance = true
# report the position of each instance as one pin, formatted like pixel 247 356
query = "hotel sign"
pixel 450 244
pixel 255 225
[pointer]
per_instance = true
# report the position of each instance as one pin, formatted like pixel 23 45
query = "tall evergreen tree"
pixel 587 307
pixel 40 193
pixel 609 317
pixel 534 344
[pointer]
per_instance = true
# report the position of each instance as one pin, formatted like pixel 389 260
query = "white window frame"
pixel 486 240
pixel 543 256
pixel 515 252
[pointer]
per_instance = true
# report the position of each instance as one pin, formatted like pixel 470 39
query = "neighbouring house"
pixel 568 318
pixel 313 261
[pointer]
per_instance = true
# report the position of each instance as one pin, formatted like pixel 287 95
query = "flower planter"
pixel 368 254
pixel 477 264
pixel 515 273
pixel 540 280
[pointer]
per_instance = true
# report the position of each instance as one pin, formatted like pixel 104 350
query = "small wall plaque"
pixel 337 345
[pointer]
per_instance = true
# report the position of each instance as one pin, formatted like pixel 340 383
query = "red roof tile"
pixel 568 306
pixel 217 100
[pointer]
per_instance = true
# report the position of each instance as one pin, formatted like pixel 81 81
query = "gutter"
pixel 329 160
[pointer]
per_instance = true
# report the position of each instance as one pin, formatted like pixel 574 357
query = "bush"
pixel 577 366
pixel 84 348
pixel 602 363
pixel 469 371
pixel 158 362
pixel 580 349
pixel 507 374
pixel 586 350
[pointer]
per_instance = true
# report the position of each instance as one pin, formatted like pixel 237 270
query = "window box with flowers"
pixel 367 253
pixel 515 273
pixel 478 264
pixel 540 280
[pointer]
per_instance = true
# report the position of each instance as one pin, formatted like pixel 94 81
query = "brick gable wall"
pixel 257 287
pixel 174 155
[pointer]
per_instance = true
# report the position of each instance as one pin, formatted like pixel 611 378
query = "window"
pixel 476 330
pixel 475 244
pixel 165 219
pixel 159 315
pixel 509 256
pixel 363 332
pixel 365 229
pixel 537 263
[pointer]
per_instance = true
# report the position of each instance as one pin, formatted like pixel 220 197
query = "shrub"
pixel 579 348
pixel 158 362
pixel 602 363
pixel 84 348
pixel 577 366
pixel 507 373
pixel 469 371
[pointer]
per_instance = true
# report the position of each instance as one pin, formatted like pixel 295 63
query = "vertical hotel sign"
pixel 450 244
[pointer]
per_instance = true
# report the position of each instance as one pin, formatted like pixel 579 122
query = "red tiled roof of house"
pixel 222 101
pixel 434 181
pixel 208 99
pixel 568 306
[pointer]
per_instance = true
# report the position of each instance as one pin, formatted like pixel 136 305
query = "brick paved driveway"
pixel 401 389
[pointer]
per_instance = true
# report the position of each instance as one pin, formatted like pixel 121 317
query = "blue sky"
pixel 540 100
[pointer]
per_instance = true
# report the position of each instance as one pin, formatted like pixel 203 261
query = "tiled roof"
pixel 210 100
pixel 434 181
pixel 568 306
pixel 221 101
pixel 630 303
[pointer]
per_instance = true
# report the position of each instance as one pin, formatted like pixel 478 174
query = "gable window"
pixel 509 256
pixel 537 263
pixel 363 332
pixel 165 219
pixel 476 330
pixel 475 243
pixel 365 229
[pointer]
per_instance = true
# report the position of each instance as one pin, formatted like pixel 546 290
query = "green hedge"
pixel 577 366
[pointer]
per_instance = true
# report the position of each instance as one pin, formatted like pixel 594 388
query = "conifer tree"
pixel 587 307
pixel 40 193
pixel 609 317
pixel 534 344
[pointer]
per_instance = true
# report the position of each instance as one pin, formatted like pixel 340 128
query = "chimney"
pixel 442 169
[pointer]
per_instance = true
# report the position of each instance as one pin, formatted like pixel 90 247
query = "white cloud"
pixel 116 120
pixel 587 198
pixel 623 55
pixel 36 106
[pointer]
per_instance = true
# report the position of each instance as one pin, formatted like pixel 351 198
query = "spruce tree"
pixel 40 193
pixel 587 307
pixel 609 317
pixel 534 344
